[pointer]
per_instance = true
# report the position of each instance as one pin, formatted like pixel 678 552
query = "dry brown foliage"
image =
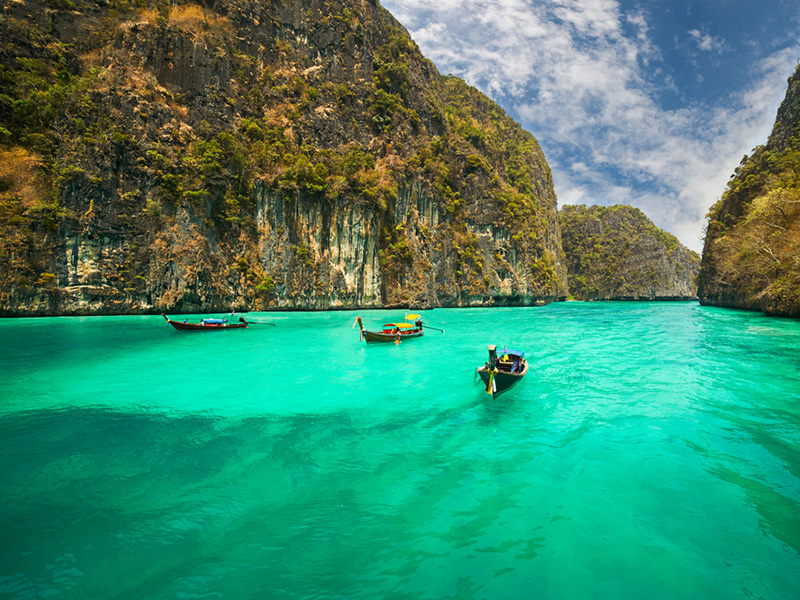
pixel 20 173
pixel 190 17
pixel 150 15
pixel 761 254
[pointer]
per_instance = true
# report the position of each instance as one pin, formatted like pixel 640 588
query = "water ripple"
pixel 652 451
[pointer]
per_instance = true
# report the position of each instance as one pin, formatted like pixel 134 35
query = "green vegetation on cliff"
pixel 751 257
pixel 144 143
pixel 616 252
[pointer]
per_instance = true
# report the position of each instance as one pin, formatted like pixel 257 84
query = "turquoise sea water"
pixel 653 451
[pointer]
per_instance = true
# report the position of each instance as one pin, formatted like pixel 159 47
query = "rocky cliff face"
pixel 751 256
pixel 255 154
pixel 616 253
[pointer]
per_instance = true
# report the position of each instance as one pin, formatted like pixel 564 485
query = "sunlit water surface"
pixel 653 451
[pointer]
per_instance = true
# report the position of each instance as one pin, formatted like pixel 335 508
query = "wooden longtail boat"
pixel 207 324
pixel 502 372
pixel 392 332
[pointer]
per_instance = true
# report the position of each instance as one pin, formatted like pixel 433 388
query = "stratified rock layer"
pixel 293 154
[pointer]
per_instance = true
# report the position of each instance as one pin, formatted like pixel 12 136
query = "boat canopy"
pixel 399 325
pixel 412 317
pixel 215 321
pixel 512 352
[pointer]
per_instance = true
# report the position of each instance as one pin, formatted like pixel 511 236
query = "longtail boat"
pixel 393 332
pixel 208 324
pixel 502 371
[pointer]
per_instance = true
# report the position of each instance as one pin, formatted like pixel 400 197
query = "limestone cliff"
pixel 616 253
pixel 751 256
pixel 255 154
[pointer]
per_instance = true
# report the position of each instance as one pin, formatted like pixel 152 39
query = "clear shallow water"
pixel 653 451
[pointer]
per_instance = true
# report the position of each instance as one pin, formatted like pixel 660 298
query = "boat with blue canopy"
pixel 209 324
pixel 503 370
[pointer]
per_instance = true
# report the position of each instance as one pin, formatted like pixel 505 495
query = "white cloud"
pixel 579 75
pixel 707 42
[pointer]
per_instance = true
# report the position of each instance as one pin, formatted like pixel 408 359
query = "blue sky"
pixel 651 103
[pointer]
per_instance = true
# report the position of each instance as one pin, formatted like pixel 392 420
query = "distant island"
pixel 617 253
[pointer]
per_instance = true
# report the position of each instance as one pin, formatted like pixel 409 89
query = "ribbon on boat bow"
pixel 491 385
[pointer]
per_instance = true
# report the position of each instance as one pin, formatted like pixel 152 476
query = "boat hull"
pixel 376 336
pixel 185 326
pixel 503 381
pixel 200 327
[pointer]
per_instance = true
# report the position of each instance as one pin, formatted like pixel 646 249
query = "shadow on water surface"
pixel 140 495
